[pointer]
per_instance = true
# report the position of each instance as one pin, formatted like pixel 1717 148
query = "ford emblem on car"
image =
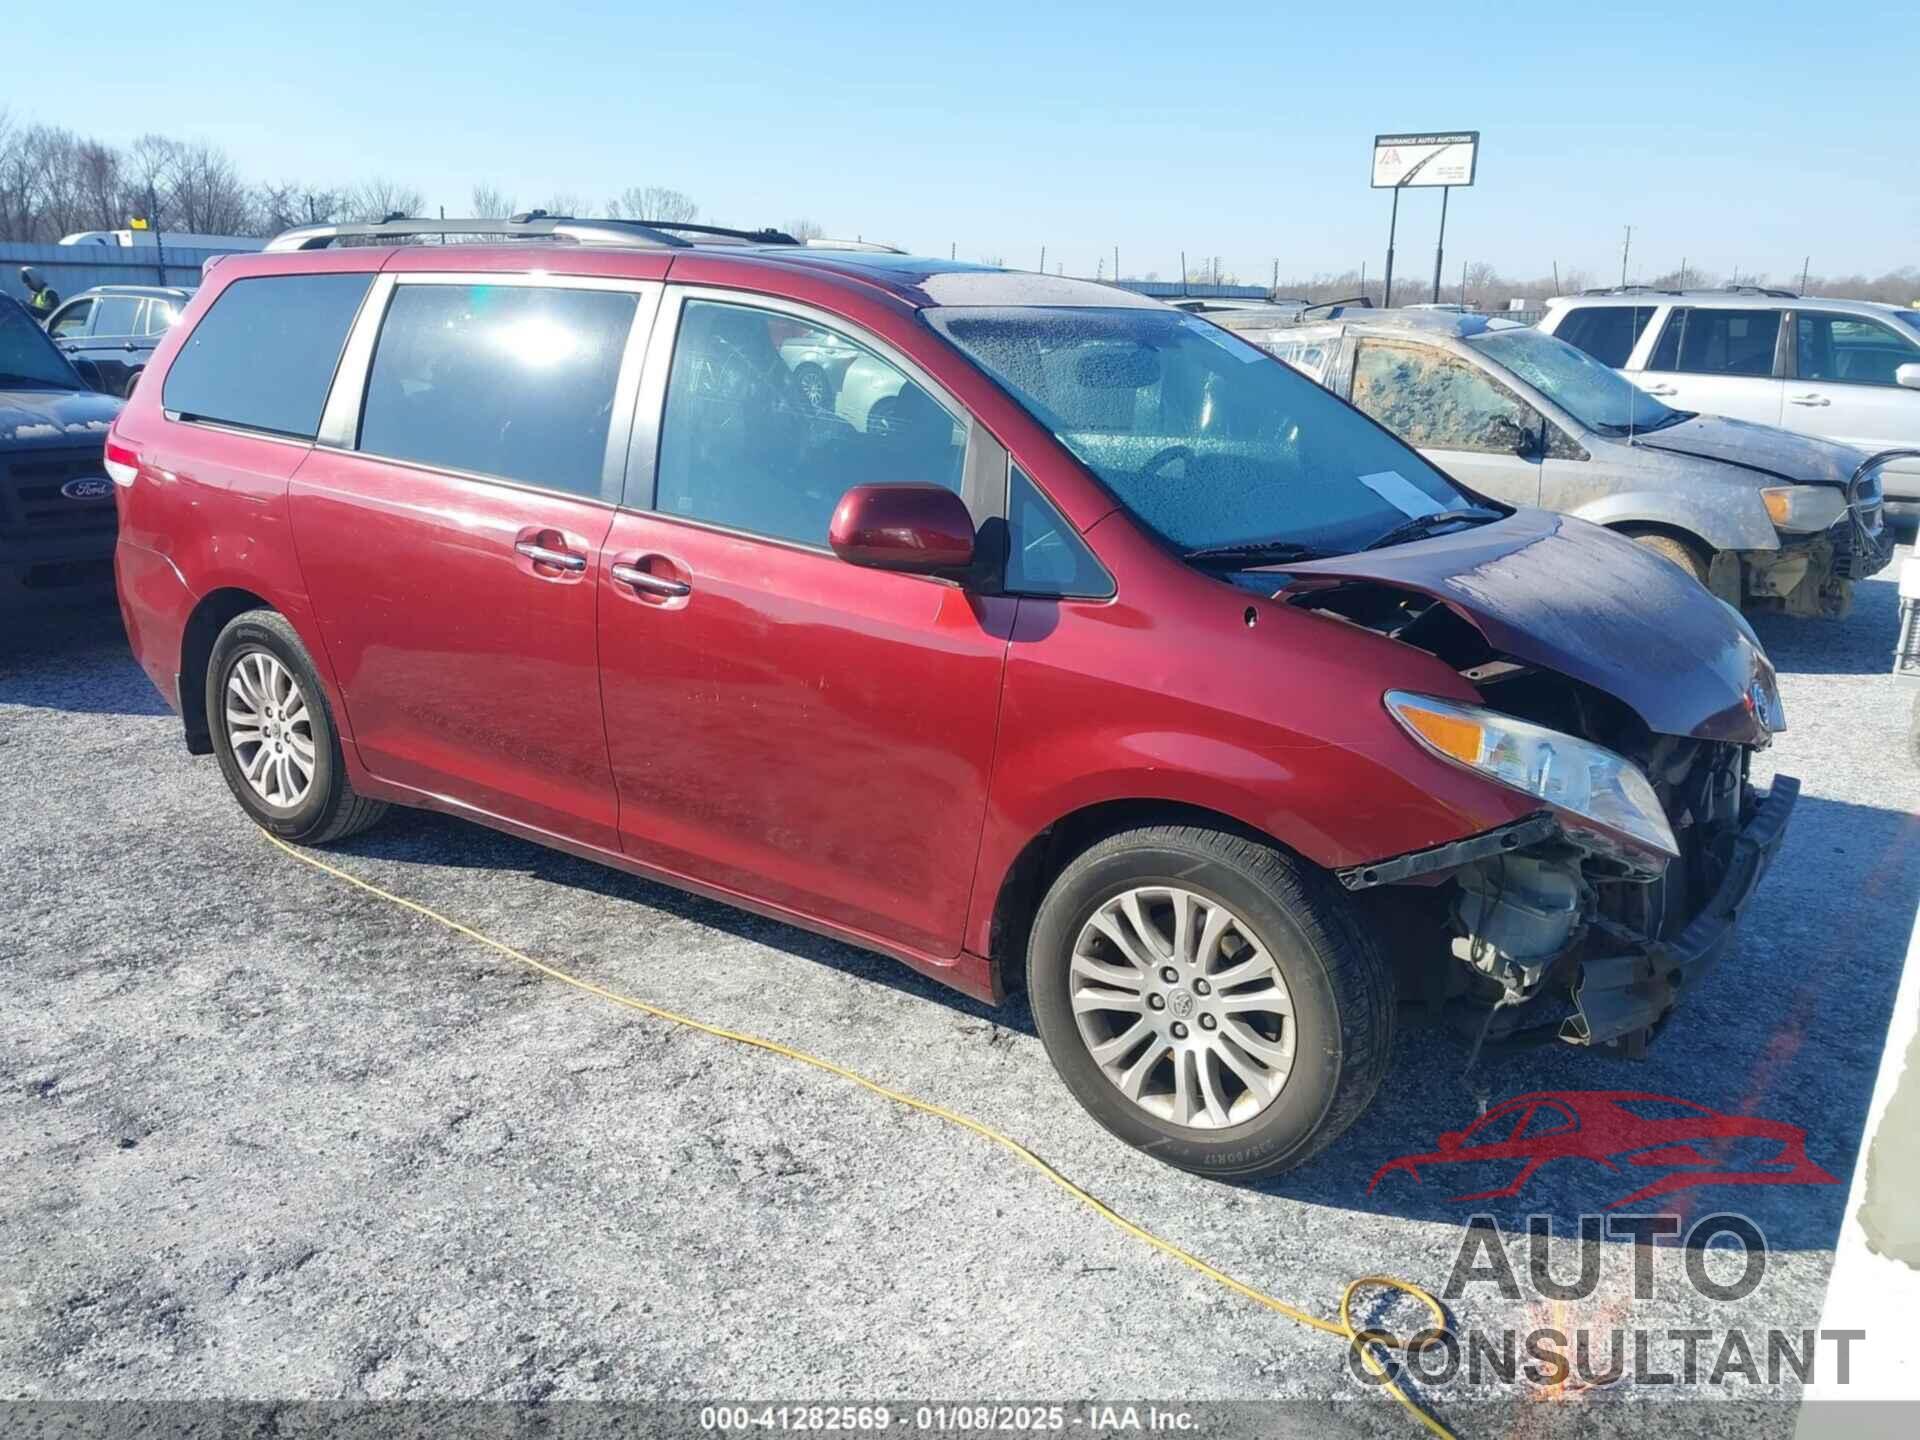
pixel 87 487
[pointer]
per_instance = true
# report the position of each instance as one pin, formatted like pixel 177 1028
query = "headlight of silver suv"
pixel 1565 771
pixel 1804 507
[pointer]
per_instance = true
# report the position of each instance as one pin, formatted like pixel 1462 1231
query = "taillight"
pixel 123 462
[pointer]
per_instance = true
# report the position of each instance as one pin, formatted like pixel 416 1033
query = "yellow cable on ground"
pixel 1363 1340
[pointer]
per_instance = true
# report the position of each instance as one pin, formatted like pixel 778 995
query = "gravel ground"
pixel 265 1137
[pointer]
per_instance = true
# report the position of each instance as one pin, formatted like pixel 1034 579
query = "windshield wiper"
pixel 1252 552
pixel 1416 526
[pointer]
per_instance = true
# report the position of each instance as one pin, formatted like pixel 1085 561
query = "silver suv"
pixel 1763 518
pixel 1846 370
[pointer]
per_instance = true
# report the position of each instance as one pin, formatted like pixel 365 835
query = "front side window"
pixel 1434 400
pixel 71 322
pixel 116 315
pixel 263 356
pixel 509 380
pixel 770 419
pixel 1849 350
pixel 28 358
pixel 1209 441
pixel 1599 398
pixel 1606 332
pixel 1718 342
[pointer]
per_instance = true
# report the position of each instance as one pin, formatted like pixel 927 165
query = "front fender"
pixel 1733 519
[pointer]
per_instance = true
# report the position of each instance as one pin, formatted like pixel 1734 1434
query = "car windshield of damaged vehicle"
pixel 1220 452
pixel 1599 398
pixel 1024 630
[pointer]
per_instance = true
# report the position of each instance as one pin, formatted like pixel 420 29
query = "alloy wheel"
pixel 1182 1007
pixel 269 728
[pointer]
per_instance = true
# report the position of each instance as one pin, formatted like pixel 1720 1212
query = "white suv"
pixel 1845 370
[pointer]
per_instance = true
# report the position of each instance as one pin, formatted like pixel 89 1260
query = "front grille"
pixel 32 506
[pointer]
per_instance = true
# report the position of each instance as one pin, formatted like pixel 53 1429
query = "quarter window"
pixel 1606 332
pixel 510 380
pixel 1045 556
pixel 1433 401
pixel 1849 350
pixel 1718 342
pixel 770 419
pixel 159 318
pixel 262 358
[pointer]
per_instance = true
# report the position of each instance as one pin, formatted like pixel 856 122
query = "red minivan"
pixel 1020 628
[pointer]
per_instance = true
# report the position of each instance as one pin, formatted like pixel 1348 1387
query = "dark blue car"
pixel 56 502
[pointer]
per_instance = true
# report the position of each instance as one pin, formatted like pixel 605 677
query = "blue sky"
pixel 1734 135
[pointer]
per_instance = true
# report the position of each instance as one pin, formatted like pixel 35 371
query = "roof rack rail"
pixel 1362 301
pixel 766 236
pixel 529 225
pixel 1630 290
pixel 1756 290
pixel 872 247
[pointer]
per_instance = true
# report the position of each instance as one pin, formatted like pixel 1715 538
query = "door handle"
pixel 1662 390
pixel 653 584
pixel 546 555
pixel 1808 400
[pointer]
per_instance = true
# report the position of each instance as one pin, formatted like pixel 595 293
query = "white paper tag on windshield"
pixel 1401 493
pixel 1240 350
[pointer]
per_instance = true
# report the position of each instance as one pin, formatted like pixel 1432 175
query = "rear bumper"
pixel 155 604
pixel 1623 997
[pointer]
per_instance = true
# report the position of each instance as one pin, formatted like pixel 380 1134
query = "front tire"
pixel 1209 999
pixel 274 736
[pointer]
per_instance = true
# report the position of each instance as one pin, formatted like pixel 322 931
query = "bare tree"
pixel 208 196
pixel 380 197
pixel 805 229
pixel 653 202
pixel 491 204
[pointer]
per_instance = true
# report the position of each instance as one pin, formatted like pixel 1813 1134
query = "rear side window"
pixel 1718 342
pixel 1606 332
pixel 263 357
pixel 770 419
pixel 116 315
pixel 160 315
pixel 509 380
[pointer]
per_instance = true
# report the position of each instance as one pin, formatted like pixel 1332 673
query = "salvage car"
pixel 56 505
pixel 1764 518
pixel 1105 654
pixel 1846 370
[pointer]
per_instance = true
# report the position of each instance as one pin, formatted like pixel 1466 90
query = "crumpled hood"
pixel 1567 596
pixel 1797 459
pixel 43 419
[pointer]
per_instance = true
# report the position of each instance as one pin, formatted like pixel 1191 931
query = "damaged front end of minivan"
pixel 1631 704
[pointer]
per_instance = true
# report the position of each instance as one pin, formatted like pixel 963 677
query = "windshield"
pixel 1209 441
pixel 28 357
pixel 1597 397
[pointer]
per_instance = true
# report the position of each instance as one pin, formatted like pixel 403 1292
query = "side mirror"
pixel 915 529
pixel 1506 433
pixel 1908 375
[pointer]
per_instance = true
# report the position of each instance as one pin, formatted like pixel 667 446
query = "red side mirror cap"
pixel 917 529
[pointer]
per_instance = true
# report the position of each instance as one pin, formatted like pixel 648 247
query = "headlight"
pixel 1565 771
pixel 1803 507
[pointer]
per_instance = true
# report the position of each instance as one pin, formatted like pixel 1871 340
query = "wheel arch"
pixel 210 616
pixel 1052 849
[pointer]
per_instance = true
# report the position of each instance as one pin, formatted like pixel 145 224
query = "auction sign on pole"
pixel 1443 158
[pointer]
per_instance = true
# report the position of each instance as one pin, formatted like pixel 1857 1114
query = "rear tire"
pixel 274 736
pixel 1319 1016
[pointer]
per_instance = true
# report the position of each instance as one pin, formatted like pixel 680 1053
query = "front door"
pixel 1716 362
pixel 454 556
pixel 1459 417
pixel 783 725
